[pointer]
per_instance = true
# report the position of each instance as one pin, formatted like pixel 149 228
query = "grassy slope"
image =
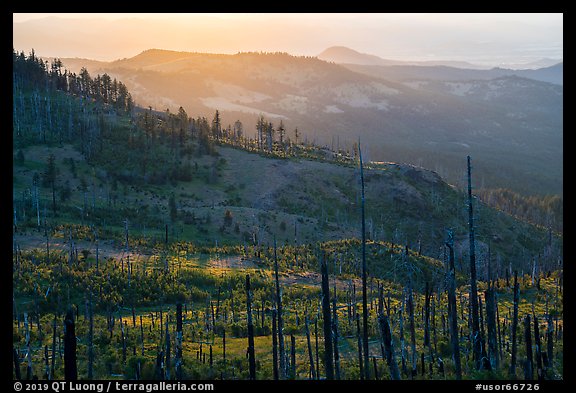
pixel 269 197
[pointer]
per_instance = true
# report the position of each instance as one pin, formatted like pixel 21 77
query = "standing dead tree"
pixel 364 274
pixel 361 368
pixel 335 336
pixel 70 370
pixel 410 305
pixel 514 326
pixel 477 339
pixel 90 338
pixel 538 349
pixel 178 364
pixel 328 353
pixel 282 353
pixel 168 350
pixel 28 348
pixel 550 344
pixel 310 353
pixel 251 358
pixel 529 363
pixel 16 360
pixel 275 345
pixel 52 362
pixel 388 344
pixel 427 338
pixel 292 357
pixel 490 300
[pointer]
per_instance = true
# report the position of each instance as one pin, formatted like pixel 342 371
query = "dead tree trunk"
pixel 335 335
pixel 178 341
pixel 360 360
pixel 70 370
pixel 388 346
pixel 90 340
pixel 46 364
pixel 251 359
pixel 161 326
pixel 224 346
pixel 477 344
pixel 328 354
pixel 275 345
pixel 364 275
pixel 28 348
pixel 168 351
pixel 410 305
pixel 427 338
pixel 528 365
pixel 550 343
pixel 16 360
pixel 538 343
pixel 292 357
pixel 489 297
pixel 97 250
pixel 310 354
pixel 52 363
pixel 317 346
pixel 427 315
pixel 434 330
pixel 282 352
pixel 159 369
pixel 142 335
pixel 514 326
pixel 402 341
pixel 123 339
pixel 133 309
pixel 500 333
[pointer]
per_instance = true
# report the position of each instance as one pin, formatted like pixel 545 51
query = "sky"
pixel 485 39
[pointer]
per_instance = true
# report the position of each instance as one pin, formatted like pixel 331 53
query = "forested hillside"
pixel 425 118
pixel 186 247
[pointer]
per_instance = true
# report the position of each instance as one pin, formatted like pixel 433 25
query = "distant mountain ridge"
pixel 437 70
pixel 345 55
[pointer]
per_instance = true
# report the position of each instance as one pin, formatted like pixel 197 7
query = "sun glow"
pixel 482 38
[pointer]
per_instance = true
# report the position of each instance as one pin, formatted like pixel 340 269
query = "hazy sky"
pixel 490 39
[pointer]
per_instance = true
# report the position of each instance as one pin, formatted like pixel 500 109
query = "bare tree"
pixel 328 353
pixel 310 354
pixel 335 336
pixel 490 301
pixel 529 363
pixel 90 338
pixel 360 360
pixel 70 370
pixel 275 345
pixel 28 348
pixel 477 339
pixel 251 358
pixel 178 341
pixel 410 305
pixel 388 344
pixel 16 360
pixel 514 326
pixel 364 273
pixel 538 343
pixel 282 352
